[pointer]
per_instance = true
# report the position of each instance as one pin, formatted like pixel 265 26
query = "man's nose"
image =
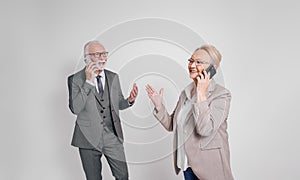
pixel 102 57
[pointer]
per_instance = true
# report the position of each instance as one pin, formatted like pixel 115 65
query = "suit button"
pixel 104 117
pixel 101 111
pixel 101 122
pixel 103 107
pixel 102 100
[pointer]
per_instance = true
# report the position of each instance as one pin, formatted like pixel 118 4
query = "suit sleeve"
pixel 78 94
pixel 165 118
pixel 209 117
pixel 123 103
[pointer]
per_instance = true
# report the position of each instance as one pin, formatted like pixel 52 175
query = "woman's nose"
pixel 193 64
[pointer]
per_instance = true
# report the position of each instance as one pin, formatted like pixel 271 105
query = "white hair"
pixel 86 46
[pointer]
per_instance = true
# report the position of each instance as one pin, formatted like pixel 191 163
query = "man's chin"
pixel 100 67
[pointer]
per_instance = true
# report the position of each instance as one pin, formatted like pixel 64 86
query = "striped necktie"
pixel 100 86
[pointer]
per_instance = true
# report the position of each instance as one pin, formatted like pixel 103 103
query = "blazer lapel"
pixel 109 79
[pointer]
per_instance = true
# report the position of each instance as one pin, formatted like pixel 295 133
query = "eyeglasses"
pixel 198 62
pixel 98 54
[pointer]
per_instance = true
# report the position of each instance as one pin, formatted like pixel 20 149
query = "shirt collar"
pixel 188 90
pixel 102 74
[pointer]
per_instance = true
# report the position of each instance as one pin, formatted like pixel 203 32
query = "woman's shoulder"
pixel 220 90
pixel 186 92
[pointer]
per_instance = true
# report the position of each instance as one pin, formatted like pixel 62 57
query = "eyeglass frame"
pixel 197 62
pixel 98 54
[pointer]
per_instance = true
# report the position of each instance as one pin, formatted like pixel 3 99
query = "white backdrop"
pixel 42 42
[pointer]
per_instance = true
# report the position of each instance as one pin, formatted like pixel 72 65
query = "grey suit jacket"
pixel 83 101
pixel 206 146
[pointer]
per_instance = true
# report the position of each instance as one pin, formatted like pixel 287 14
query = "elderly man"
pixel 95 96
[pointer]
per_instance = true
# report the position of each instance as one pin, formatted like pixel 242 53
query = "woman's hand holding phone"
pixel 202 85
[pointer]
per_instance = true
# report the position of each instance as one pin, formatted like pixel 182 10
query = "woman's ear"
pixel 215 66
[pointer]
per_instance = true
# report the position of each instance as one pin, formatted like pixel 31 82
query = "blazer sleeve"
pixel 78 94
pixel 165 118
pixel 123 103
pixel 209 116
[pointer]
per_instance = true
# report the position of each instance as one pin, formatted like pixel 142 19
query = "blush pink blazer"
pixel 206 146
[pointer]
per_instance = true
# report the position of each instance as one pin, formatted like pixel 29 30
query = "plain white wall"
pixel 41 44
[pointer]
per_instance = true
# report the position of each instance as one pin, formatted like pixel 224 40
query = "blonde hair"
pixel 214 54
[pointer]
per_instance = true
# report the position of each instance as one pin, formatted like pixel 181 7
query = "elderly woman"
pixel 199 121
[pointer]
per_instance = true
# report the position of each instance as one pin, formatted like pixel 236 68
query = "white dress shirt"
pixel 94 82
pixel 184 114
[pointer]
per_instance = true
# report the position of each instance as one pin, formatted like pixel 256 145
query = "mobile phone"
pixel 87 60
pixel 98 64
pixel 211 69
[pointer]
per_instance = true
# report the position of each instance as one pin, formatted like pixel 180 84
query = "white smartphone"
pixel 87 60
pixel 99 63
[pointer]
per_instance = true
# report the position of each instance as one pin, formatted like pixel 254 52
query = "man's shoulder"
pixel 109 72
pixel 76 75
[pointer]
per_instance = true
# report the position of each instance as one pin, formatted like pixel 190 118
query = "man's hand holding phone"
pixel 90 69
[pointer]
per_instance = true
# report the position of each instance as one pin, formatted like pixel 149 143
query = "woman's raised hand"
pixel 155 97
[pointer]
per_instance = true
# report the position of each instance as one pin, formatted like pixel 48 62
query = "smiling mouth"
pixel 193 71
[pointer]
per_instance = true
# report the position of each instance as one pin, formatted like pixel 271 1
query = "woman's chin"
pixel 193 75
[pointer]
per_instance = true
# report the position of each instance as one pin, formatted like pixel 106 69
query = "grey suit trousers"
pixel 113 151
